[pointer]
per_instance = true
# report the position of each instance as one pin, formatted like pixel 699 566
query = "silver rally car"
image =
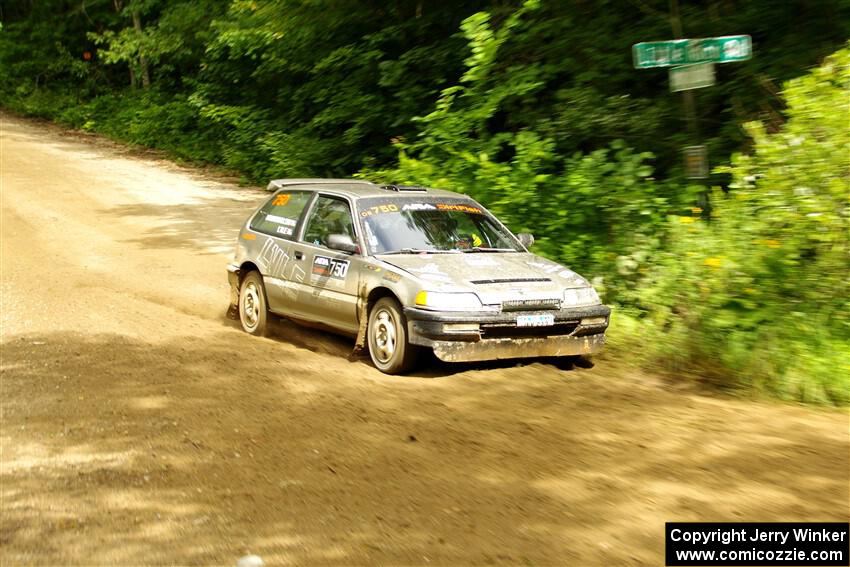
pixel 406 268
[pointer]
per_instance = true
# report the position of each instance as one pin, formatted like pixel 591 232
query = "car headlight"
pixel 448 301
pixel 580 296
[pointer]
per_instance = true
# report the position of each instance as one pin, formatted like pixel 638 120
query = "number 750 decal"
pixel 330 267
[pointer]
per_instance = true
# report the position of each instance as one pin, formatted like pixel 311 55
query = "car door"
pixel 276 226
pixel 329 293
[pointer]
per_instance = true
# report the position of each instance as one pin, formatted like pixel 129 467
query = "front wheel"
pixel 253 308
pixel 389 349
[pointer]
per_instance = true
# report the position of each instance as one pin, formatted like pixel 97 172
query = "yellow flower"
pixel 696 210
pixel 749 290
pixel 686 220
pixel 713 262
pixel 772 243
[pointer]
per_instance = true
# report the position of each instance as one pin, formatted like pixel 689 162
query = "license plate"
pixel 535 320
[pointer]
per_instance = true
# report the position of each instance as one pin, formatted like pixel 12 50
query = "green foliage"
pixel 762 290
pixel 171 44
pixel 333 83
pixel 336 81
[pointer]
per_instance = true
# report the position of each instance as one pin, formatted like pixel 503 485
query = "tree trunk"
pixel 119 5
pixel 143 61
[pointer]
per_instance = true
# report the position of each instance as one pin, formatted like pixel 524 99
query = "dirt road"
pixel 140 426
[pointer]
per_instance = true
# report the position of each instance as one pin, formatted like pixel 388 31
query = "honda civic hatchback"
pixel 404 269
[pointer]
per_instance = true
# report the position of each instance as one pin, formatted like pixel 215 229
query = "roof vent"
pixel 400 188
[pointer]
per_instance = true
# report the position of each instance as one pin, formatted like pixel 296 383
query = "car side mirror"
pixel 341 242
pixel 526 239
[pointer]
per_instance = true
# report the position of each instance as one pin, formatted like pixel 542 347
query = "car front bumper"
pixel 474 336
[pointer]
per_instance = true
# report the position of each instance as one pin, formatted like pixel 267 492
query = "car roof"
pixel 359 189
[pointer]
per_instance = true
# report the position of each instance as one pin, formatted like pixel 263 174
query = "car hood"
pixel 492 276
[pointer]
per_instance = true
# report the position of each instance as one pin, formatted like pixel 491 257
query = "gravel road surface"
pixel 141 427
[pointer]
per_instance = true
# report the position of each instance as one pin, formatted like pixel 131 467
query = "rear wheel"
pixel 389 348
pixel 253 308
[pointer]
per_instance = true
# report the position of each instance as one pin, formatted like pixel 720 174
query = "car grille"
pixel 502 331
pixel 530 304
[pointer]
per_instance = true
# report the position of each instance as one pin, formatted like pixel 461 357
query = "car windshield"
pixel 430 224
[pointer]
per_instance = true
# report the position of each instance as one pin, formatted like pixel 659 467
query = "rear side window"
pixel 279 216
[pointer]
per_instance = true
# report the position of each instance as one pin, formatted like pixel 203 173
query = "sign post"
pixel 691 63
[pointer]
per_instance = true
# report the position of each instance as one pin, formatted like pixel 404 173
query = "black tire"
pixel 389 349
pixel 253 307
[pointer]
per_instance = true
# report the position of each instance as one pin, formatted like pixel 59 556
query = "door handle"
pixel 299 255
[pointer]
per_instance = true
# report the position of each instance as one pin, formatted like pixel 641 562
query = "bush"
pixel 760 293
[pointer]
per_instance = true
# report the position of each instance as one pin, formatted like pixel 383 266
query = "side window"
pixel 279 216
pixel 331 215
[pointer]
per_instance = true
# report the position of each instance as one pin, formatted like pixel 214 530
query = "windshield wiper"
pixel 486 249
pixel 419 251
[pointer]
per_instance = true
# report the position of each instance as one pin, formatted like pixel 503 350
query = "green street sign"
pixel 675 52
pixel 689 77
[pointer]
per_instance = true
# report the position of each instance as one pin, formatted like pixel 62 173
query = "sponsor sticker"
pixel 326 267
pixel 284 230
pixel 419 207
pixel 459 207
pixel 281 220
pixel 281 200
pixel 379 209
